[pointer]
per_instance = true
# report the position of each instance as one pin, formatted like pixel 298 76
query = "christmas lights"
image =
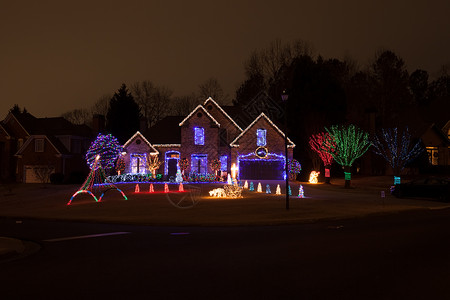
pixel 234 143
pixel 166 188
pixel 251 186
pixel 109 149
pixel 301 193
pixel 151 189
pixel 246 185
pixel 261 137
pixel 223 163
pixel 395 149
pixel 347 143
pixel 313 177
pixel 199 135
pixel 278 191
pixel 137 189
pixel 170 155
pixel 259 189
pixel 120 165
pixel 220 108
pixel 229 179
pixel 268 189
pixel 218 193
pixel 180 187
pixel 199 163
pixel 96 180
pixel 199 107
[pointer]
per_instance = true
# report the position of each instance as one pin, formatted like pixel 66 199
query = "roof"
pixel 57 144
pixel 262 115
pixel 50 126
pixel 138 134
pixel 204 110
pixel 211 100
pixel 165 131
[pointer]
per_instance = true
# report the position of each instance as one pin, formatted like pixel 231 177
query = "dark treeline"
pixel 322 92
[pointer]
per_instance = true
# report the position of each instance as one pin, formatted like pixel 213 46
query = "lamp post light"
pixel 284 97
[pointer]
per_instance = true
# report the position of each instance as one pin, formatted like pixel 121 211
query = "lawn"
pixel 169 209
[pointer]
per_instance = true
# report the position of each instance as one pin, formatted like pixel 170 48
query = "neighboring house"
pixel 32 148
pixel 437 144
pixel 210 133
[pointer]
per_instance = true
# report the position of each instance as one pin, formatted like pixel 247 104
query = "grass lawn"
pixel 321 201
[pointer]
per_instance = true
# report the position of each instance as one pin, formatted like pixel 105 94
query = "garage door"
pixel 261 169
pixel 37 174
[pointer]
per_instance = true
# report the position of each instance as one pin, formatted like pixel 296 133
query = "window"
pixel 39 145
pixel 223 163
pixel 138 163
pixel 433 155
pixel 261 137
pixel 199 136
pixel 199 163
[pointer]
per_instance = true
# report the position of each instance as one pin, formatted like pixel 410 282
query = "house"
pixel 32 148
pixel 209 133
pixel 437 144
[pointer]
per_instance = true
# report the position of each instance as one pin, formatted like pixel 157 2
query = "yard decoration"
pixel 136 189
pixel 396 149
pixel 107 147
pixel 246 185
pixel 215 166
pixel 268 189
pixel 313 177
pixel 229 179
pixel 251 186
pixel 120 165
pixel 323 144
pixel 96 180
pixel 184 164
pixel 278 191
pixel 151 189
pixel 289 190
pixel 166 188
pixel 179 178
pixel 218 193
pixel 294 168
pixel 350 143
pixel 301 193
pixel 180 187
pixel 153 164
pixel 259 189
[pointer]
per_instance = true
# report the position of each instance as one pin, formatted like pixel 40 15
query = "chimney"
pixel 98 123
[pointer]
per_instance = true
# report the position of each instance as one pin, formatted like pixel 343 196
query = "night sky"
pixel 56 56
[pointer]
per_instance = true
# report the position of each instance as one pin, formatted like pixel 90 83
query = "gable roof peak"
pixel 223 112
pixel 139 134
pixel 204 110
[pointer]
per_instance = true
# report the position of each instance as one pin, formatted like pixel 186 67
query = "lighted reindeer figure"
pixel 153 163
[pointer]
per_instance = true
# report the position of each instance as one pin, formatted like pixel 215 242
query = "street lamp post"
pixel 284 97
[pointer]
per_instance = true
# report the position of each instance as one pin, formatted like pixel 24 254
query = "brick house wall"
pixel 211 145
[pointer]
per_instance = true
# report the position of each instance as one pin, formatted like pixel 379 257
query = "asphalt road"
pixel 397 256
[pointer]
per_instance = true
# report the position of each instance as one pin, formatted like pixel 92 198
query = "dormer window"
pixel 199 136
pixel 261 137
pixel 39 145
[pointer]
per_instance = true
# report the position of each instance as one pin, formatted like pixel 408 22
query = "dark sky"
pixel 57 56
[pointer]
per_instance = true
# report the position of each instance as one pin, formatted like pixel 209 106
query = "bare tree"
pixel 211 88
pixel 77 116
pixel 268 61
pixel 101 106
pixel 154 101
pixel 183 105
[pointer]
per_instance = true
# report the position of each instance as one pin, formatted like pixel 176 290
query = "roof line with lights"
pixel 195 109
pixel 234 142
pixel 138 133
pixel 221 109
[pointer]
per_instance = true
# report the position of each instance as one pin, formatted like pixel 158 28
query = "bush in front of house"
pixel 133 178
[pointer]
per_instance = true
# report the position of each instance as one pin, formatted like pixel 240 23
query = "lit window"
pixel 223 163
pixel 261 137
pixel 199 163
pixel 199 136
pixel 433 155
pixel 39 145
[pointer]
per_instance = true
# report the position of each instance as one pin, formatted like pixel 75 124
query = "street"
pixel 393 256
